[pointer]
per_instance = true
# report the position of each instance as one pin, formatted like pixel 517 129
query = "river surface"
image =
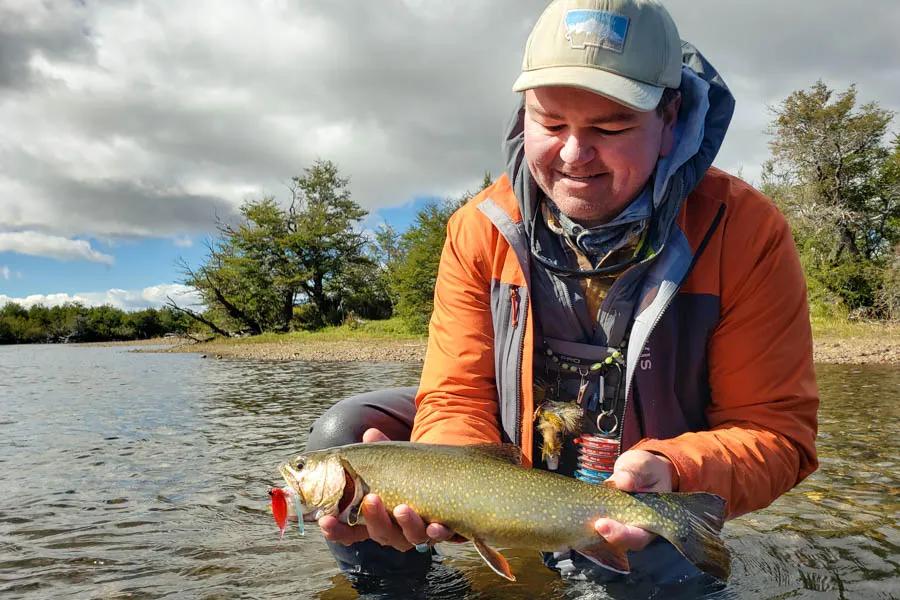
pixel 127 475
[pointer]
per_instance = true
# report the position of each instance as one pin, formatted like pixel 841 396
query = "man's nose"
pixel 576 150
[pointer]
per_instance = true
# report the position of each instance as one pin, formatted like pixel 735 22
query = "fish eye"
pixel 299 464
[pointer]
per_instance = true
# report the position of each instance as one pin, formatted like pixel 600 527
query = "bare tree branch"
pixel 197 317
pixel 233 311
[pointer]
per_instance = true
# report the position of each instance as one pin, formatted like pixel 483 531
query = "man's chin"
pixel 589 207
pixel 583 211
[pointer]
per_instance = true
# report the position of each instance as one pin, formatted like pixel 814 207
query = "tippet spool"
pixel 596 458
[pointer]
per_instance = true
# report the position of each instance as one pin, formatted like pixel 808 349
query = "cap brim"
pixel 640 96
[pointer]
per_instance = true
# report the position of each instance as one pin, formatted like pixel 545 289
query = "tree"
pixel 248 282
pixel 329 248
pixel 414 268
pixel 830 174
pixel 887 298
pixel 310 253
pixel 73 322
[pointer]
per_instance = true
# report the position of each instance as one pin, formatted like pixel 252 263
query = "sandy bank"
pixel 853 351
pixel 829 349
pixel 408 351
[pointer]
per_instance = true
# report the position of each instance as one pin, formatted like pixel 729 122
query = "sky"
pixel 127 127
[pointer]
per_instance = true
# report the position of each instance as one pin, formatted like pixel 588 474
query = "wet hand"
pixel 403 532
pixel 636 471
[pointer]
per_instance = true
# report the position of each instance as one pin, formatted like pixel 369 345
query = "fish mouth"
pixel 346 509
pixel 292 479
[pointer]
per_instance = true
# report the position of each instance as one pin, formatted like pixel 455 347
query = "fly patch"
pixel 598 28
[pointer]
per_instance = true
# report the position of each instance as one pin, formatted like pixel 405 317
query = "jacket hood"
pixel 706 111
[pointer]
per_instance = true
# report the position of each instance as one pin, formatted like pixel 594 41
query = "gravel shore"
pixel 827 350
pixel 406 351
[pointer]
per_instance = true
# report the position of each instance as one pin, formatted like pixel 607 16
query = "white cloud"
pixel 183 242
pixel 151 118
pixel 5 272
pixel 149 297
pixel 34 243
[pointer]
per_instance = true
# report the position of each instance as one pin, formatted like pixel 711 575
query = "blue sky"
pixel 127 127
pixel 137 263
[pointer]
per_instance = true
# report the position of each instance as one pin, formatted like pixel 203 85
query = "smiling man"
pixel 613 269
pixel 581 148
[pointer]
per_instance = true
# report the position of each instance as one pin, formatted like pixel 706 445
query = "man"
pixel 610 235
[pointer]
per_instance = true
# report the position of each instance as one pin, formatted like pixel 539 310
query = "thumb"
pixel 374 435
pixel 624 480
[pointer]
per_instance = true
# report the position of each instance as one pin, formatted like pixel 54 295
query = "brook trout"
pixel 484 495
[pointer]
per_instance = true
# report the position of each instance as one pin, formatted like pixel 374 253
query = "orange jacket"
pixel 754 435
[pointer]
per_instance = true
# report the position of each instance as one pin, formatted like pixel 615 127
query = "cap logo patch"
pixel 598 28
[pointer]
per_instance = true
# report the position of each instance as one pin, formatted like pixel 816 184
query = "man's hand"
pixel 404 534
pixel 636 471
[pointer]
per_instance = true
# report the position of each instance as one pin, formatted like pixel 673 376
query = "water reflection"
pixel 135 475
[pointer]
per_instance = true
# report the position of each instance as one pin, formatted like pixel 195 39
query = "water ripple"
pixel 144 476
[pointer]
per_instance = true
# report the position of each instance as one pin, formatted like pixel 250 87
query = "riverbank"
pixel 835 342
pixel 840 341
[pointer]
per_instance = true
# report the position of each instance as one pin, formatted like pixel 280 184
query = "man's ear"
pixel 669 118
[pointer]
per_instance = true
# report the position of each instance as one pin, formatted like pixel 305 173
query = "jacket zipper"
pixel 700 249
pixel 630 376
pixel 520 398
pixel 514 304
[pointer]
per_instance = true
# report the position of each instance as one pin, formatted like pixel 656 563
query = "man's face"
pixel 590 155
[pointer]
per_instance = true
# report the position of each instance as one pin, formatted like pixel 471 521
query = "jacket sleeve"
pixel 457 398
pixel 762 414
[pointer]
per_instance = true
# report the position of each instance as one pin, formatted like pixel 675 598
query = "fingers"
pixel 440 533
pixel 623 536
pixel 642 471
pixel 380 526
pixel 374 435
pixel 623 479
pixel 636 471
pixel 416 531
pixel 405 531
pixel 412 525
pixel 335 531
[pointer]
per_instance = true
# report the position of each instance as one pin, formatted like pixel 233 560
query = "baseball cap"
pixel 626 50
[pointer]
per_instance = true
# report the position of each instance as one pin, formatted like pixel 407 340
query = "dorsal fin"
pixel 506 452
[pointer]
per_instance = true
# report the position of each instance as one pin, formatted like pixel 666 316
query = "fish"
pixel 484 494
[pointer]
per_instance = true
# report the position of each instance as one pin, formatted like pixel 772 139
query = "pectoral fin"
pixel 494 559
pixel 606 555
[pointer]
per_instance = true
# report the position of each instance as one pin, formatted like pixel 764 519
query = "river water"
pixel 128 475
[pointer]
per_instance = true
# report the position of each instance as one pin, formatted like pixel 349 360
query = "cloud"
pixel 144 118
pixel 30 28
pixel 5 272
pixel 34 243
pixel 149 297
pixel 166 118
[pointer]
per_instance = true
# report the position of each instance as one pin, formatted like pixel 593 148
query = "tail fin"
pixel 697 519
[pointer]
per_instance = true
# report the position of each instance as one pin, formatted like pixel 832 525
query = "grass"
pixel 828 326
pixel 393 329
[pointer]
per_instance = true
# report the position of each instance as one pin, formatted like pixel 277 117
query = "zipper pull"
pixel 514 305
